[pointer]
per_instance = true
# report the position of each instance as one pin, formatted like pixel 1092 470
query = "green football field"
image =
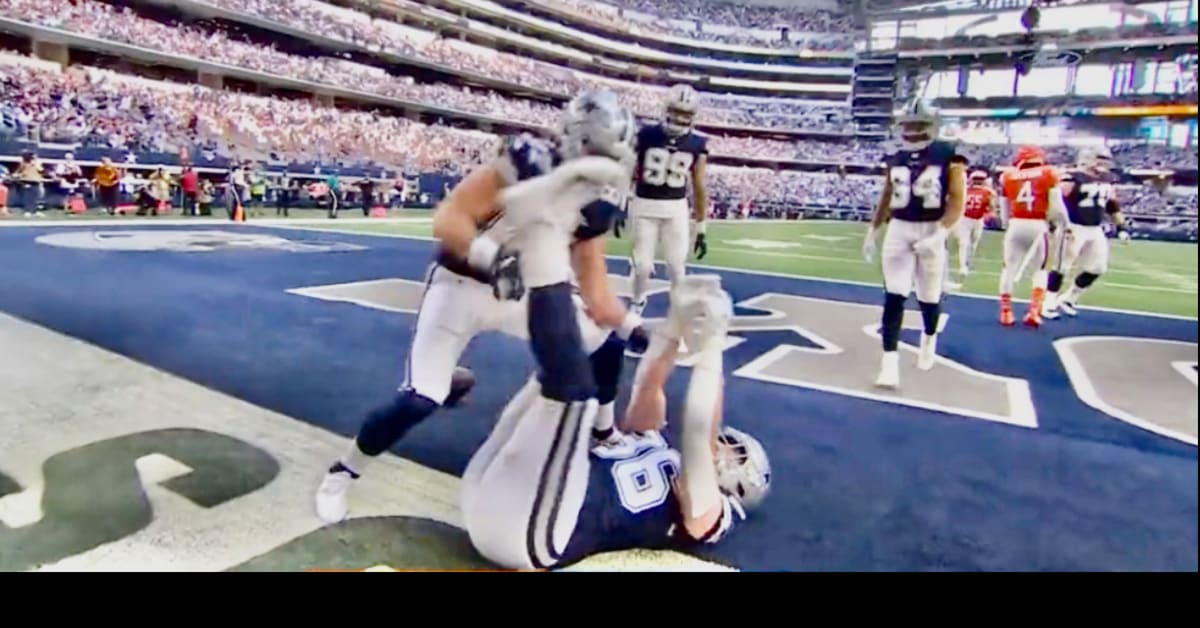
pixel 1158 277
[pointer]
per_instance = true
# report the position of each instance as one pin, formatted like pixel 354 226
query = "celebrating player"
pixel 923 196
pixel 981 201
pixel 1089 195
pixel 670 154
pixel 532 499
pixel 1032 200
pixel 498 239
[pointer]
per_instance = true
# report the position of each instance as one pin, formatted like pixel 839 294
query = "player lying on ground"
pixel 1032 200
pixel 476 282
pixel 670 156
pixel 922 200
pixel 1089 195
pixel 534 497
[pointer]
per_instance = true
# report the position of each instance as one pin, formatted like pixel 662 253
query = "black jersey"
pixel 664 162
pixel 920 181
pixel 1090 199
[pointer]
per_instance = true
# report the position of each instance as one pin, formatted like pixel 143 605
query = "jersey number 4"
pixel 927 187
pixel 665 167
pixel 644 482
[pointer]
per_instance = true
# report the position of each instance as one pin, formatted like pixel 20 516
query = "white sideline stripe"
pixel 302 224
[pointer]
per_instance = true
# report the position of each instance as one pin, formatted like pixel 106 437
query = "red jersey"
pixel 1028 191
pixel 979 201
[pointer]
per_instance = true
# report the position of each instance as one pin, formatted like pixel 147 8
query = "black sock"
pixel 930 312
pixel 1054 281
pixel 893 318
pixel 1085 279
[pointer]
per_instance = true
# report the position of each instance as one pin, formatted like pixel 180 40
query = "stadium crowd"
pixel 738 23
pixel 124 25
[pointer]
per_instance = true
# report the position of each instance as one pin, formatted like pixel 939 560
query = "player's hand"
pixel 638 340
pixel 700 246
pixel 507 284
pixel 618 225
pixel 870 248
pixel 931 244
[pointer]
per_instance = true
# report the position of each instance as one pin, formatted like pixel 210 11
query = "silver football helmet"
pixel 742 467
pixel 680 109
pixel 595 123
pixel 1095 159
pixel 917 125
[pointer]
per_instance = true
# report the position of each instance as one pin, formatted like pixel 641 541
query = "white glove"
pixel 1123 236
pixel 557 196
pixel 931 244
pixel 869 246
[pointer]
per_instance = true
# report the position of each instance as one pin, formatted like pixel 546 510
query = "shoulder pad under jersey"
pixel 524 157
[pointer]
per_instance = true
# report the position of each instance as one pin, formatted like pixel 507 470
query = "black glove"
pixel 507 284
pixel 700 248
pixel 638 341
pixel 618 225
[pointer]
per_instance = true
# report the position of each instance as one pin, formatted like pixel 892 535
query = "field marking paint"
pixel 302 224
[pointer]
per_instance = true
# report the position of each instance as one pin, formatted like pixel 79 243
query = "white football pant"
pixel 655 222
pixel 903 269
pixel 1026 241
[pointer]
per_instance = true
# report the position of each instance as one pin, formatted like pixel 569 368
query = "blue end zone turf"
pixel 858 484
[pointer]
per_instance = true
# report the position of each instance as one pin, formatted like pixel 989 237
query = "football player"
pixel 498 235
pixel 670 156
pixel 532 499
pixel 1089 195
pixel 922 200
pixel 981 203
pixel 1032 200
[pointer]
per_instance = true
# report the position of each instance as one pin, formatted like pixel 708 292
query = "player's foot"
pixel 1006 312
pixel 889 370
pixel 1068 308
pixel 637 307
pixel 609 438
pixel 928 355
pixel 1033 318
pixel 1050 313
pixel 331 495
pixel 953 285
pixel 963 271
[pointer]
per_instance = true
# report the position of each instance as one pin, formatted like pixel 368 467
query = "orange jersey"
pixel 979 201
pixel 1028 191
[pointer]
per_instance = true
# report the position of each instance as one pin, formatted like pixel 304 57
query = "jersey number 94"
pixel 665 167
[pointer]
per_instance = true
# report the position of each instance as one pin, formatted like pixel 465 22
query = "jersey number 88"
pixel 665 167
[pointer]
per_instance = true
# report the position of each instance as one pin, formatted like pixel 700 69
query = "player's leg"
pixel 964 234
pixel 521 511
pixel 445 324
pixel 646 233
pixel 929 281
pixel 899 269
pixel 677 243
pixel 1039 259
pixel 516 408
pixel 1016 246
pixel 1093 262
pixel 1065 247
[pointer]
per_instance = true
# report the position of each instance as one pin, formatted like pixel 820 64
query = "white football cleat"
pixel 331 495
pixel 889 370
pixel 637 307
pixel 928 355
pixel 1068 308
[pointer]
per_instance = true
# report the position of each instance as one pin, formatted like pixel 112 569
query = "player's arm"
pixel 707 513
pixel 1056 200
pixel 883 212
pixel 591 270
pixel 471 203
pixel 956 195
pixel 700 209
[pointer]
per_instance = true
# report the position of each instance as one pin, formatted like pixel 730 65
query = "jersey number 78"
pixel 661 166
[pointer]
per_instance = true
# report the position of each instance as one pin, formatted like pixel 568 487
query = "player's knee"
pixel 643 265
pixel 564 371
pixel 389 423
pixel 606 368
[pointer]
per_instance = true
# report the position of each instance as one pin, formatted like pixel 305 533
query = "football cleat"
pixel 889 370
pixel 1033 318
pixel 1006 312
pixel 331 495
pixel 1068 308
pixel 928 355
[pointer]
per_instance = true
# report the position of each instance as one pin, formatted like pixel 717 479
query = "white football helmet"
pixel 680 109
pixel 700 310
pixel 743 469
pixel 1096 159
